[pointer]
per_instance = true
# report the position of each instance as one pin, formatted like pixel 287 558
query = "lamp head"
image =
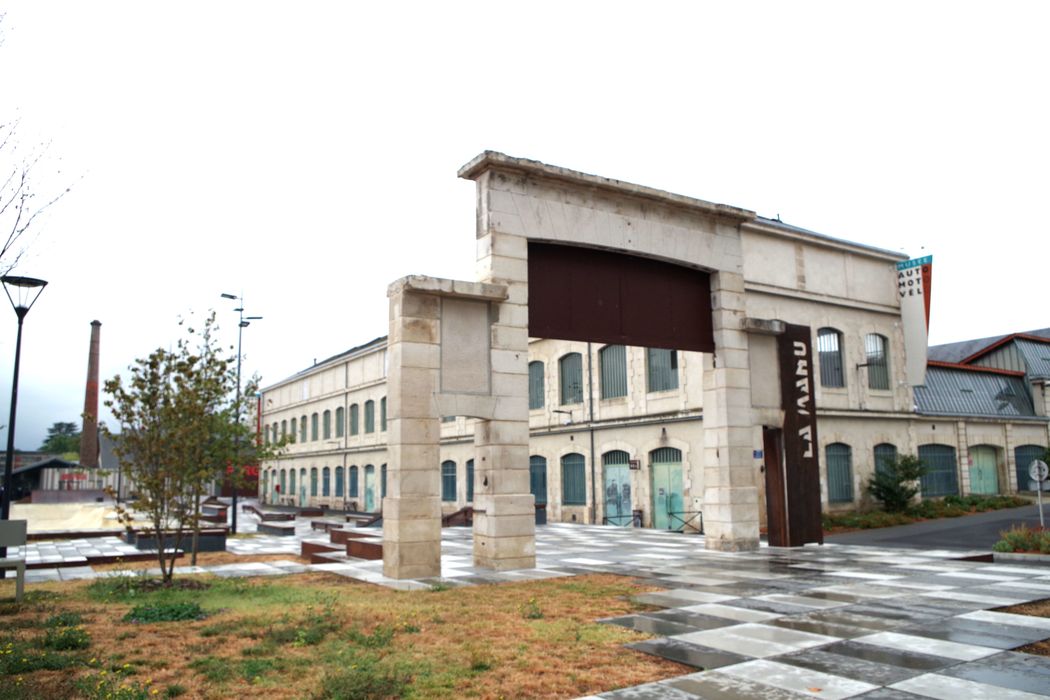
pixel 26 291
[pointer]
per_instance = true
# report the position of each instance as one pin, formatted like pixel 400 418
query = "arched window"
pixel 382 481
pixel 302 429
pixel 284 482
pixel 840 472
pixel 276 435
pixel 339 482
pixel 829 354
pixel 326 425
pixel 370 416
pixel 266 435
pixel 293 430
pixel 340 422
pixel 470 480
pixel 573 480
pixel 352 489
pixel 536 384
pixel 661 368
pixel 313 481
pixel 326 482
pixel 942 471
pixel 878 361
pixel 612 360
pixel 354 411
pixel 448 481
pixel 885 455
pixel 313 426
pixel 382 414
pixel 538 479
pixel 570 375
pixel 1023 456
pixel 291 482
pixel 284 428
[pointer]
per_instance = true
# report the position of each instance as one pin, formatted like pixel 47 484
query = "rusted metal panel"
pixel 776 495
pixel 595 295
pixel 801 453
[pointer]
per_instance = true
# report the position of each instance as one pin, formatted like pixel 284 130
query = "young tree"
pixel 61 438
pixel 897 483
pixel 178 432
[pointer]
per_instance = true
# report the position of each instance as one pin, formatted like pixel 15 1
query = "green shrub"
pixel 64 619
pixel 67 638
pixel 165 612
pixel 897 483
pixel 1023 539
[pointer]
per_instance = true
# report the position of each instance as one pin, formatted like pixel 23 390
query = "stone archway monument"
pixel 560 254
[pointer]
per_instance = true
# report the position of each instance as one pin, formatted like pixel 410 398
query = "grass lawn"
pixel 320 636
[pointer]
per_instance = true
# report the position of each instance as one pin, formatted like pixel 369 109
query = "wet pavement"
pixel 832 621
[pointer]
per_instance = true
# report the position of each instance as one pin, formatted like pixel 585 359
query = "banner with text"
pixel 913 287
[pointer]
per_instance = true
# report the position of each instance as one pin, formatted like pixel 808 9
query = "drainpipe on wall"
pixel 590 429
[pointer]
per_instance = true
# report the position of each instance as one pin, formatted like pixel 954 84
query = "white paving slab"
pixel 932 685
pixel 797 679
pixel 999 618
pixel 926 645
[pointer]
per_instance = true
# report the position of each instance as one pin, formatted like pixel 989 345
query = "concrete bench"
pixel 13 534
pixel 281 529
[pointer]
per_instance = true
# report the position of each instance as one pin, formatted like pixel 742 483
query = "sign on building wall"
pixel 914 279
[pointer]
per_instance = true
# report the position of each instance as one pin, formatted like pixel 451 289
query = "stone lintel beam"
pixel 763 326
pixel 458 289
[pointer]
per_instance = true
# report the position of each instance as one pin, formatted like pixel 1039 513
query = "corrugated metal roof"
pixel 951 392
pixel 957 352
pixel 1036 356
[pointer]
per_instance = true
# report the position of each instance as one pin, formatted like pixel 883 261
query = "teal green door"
pixel 984 470
pixel 668 504
pixel 618 495
pixel 370 488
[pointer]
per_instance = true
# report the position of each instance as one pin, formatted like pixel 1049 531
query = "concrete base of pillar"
pixel 411 537
pixel 505 532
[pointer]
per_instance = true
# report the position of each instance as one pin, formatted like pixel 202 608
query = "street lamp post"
pixel 27 290
pixel 242 323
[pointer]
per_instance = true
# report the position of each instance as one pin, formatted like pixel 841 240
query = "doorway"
pixel 668 504
pixel 617 488
pixel 984 470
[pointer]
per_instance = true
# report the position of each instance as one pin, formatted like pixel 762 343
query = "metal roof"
pixel 957 352
pixel 1036 357
pixel 956 392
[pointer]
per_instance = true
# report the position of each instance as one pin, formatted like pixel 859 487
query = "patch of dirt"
pixel 1039 608
pixel 204 559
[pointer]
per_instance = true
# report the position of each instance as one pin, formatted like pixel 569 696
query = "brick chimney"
pixel 89 433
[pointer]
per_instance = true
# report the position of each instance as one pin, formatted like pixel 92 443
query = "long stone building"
pixel 617 433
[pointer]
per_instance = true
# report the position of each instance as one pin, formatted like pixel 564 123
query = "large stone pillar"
pixel 730 490
pixel 504 510
pixel 412 508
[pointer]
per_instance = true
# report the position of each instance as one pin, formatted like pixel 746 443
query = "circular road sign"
pixel 1038 470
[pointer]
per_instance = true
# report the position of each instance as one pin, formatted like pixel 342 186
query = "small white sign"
pixel 1038 470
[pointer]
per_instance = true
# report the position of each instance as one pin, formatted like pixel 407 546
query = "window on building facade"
pixel 291 482
pixel 352 487
pixel 942 471
pixel 612 360
pixel 536 384
pixel 284 482
pixel 885 455
pixel 878 361
pixel 448 419
pixel 661 369
pixel 370 416
pixel 313 481
pixel 448 480
pixel 326 425
pixel 1023 457
pixel 326 482
pixel 354 411
pixel 302 429
pixel 339 485
pixel 293 429
pixel 284 428
pixel 382 481
pixel 266 436
pixel 829 353
pixel 570 377
pixel 382 414
pixel 314 420
pixel 573 480
pixel 340 422
pixel 470 480
pixel 538 478
pixel 840 472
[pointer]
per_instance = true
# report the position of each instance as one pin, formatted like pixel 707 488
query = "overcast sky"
pixel 305 154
